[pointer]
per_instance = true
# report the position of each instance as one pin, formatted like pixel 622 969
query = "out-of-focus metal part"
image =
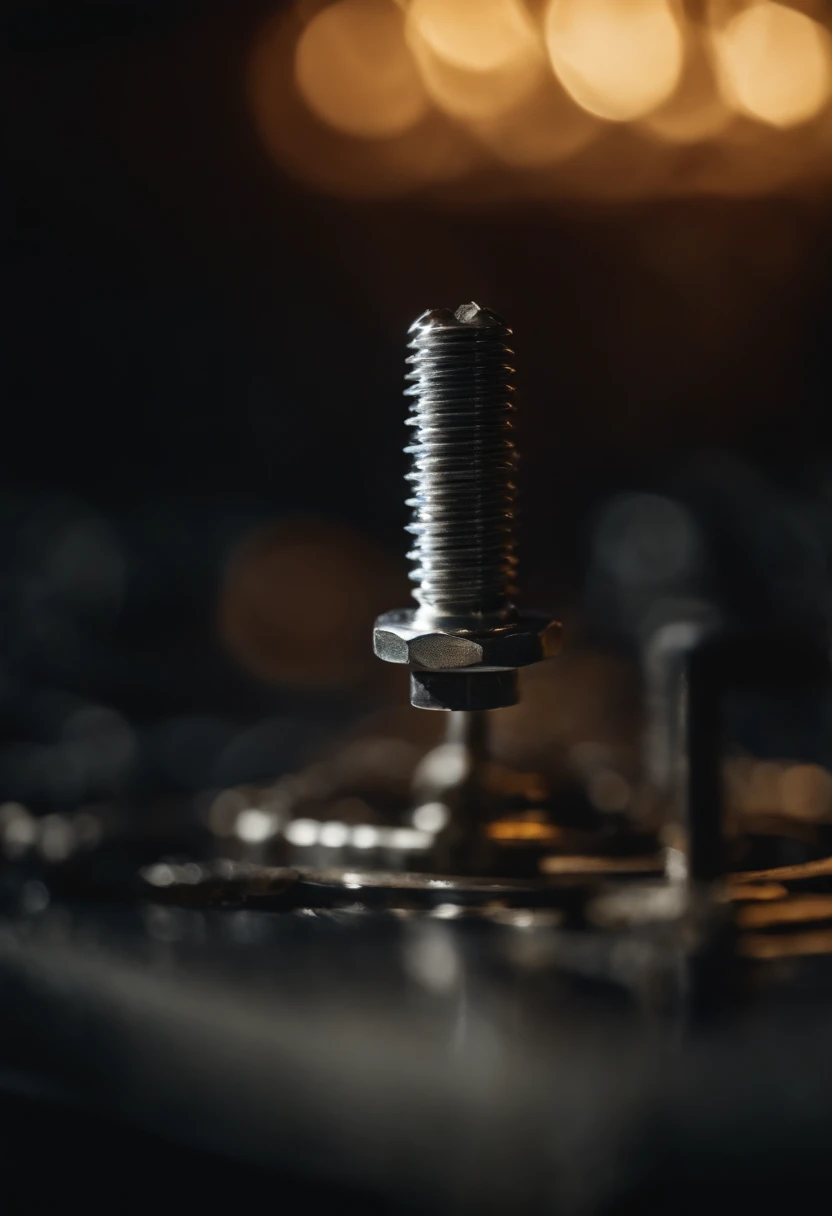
pixel 465 640
pixel 683 754
pixel 527 1068
pixel 453 794
pixel 692 665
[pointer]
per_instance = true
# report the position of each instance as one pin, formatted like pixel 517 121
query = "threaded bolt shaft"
pixel 463 464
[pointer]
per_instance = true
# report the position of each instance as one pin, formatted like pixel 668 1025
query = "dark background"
pixel 201 497
pixel 200 471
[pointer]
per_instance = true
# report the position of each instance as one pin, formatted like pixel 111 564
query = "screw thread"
pixel 463 464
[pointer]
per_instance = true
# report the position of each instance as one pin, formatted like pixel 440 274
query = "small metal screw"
pixel 465 639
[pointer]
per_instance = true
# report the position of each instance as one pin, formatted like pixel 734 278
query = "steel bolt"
pixel 465 640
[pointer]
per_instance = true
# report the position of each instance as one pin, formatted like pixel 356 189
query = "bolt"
pixel 465 640
pixel 464 462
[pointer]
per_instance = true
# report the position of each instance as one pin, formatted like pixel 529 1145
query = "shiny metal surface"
pixel 465 639
pixel 463 464
pixel 473 1067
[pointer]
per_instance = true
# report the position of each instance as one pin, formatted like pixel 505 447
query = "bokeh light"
pixel 799 790
pixel 479 35
pixel 376 99
pixel 298 603
pixel 806 792
pixel 774 64
pixel 545 129
pixel 619 59
pixel 697 110
pixel 482 93
pixel 354 70
pixel 433 153
pixel 305 146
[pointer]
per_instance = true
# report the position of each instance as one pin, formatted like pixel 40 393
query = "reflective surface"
pixel 429 1059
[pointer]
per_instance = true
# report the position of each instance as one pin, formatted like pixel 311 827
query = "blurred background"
pixel 218 220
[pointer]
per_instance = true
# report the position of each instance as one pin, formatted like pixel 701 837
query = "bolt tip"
pixel 473 314
pixel 435 318
pixel 467 314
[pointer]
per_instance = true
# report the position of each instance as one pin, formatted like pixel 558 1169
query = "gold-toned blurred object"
pixel 523 830
pixel 745 892
pixel 544 129
pixel 297 598
pixel 792 945
pixel 619 59
pixel 476 35
pixel 591 864
pixel 799 791
pixel 563 707
pixel 382 98
pixel 774 64
pixel 353 70
pixel 305 146
pixel 821 868
pixel 796 909
pixel 481 93
pixel 696 111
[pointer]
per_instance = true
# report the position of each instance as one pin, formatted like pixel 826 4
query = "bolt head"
pixel 399 638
